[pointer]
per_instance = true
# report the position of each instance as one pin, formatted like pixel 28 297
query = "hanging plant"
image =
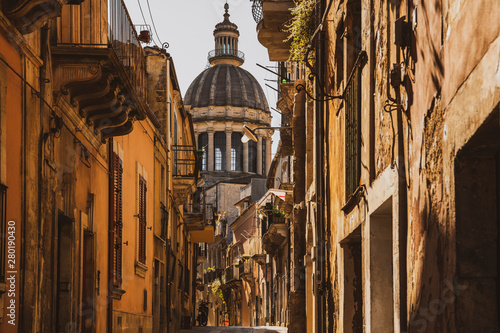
pixel 301 29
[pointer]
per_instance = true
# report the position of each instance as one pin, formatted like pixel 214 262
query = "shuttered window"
pixel 142 219
pixel 117 219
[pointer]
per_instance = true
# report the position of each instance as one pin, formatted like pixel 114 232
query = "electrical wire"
pixel 142 13
pixel 145 22
pixel 153 21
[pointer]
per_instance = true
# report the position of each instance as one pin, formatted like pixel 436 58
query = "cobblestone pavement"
pixel 260 329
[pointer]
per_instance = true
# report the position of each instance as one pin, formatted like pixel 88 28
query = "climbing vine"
pixel 301 29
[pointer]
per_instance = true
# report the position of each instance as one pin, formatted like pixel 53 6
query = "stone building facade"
pixel 90 174
pixel 401 198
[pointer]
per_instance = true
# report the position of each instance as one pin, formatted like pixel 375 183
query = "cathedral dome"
pixel 226 84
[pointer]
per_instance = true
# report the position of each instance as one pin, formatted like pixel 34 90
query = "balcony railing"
pixel 226 53
pixel 206 209
pixel 257 11
pixel 123 38
pixel 186 161
pixel 100 64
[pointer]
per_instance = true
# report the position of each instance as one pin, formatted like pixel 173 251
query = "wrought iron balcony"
pixel 28 16
pixel 275 231
pixel 198 216
pixel 186 161
pixel 257 10
pixel 99 62
pixel 219 54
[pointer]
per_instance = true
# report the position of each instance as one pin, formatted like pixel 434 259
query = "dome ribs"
pixel 226 85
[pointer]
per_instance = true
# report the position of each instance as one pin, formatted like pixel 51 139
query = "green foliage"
pixel 301 29
pixel 216 290
pixel 277 212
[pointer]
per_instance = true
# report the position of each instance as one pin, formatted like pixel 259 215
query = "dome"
pixel 226 85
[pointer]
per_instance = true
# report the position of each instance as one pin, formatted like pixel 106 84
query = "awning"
pixel 277 192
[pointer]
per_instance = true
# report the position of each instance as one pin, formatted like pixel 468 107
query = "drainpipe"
pixel 168 198
pixel 297 293
pixel 400 163
pixel 320 194
pixel 111 236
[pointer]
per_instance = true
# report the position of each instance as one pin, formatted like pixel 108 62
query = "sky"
pixel 187 26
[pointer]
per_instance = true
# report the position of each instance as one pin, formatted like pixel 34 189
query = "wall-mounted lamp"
pixel 249 134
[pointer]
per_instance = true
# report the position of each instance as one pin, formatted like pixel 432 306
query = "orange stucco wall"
pixel 138 147
pixel 13 154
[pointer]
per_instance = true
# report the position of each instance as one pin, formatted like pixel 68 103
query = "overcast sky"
pixel 188 25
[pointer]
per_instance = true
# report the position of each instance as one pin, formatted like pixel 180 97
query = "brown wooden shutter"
pixel 117 221
pixel 142 220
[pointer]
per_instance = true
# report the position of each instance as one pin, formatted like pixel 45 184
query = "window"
pixel 117 223
pixel 353 133
pixel 202 145
pixel 142 219
pixel 236 152
pixel 252 156
pixel 263 156
pixel 220 150
pixel 353 98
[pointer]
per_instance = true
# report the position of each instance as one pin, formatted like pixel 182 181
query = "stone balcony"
pixel 271 18
pixel 99 69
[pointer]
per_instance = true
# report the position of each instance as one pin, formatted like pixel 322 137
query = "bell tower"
pixel 226 36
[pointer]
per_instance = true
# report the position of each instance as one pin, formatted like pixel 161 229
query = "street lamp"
pixel 249 134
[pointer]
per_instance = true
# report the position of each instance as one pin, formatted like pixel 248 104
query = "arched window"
pixel 220 151
pixel 263 156
pixel 252 156
pixel 236 152
pixel 202 145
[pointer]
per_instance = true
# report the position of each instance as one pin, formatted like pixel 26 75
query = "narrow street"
pixel 259 329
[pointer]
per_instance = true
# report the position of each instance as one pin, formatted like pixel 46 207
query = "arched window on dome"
pixel 202 145
pixel 236 152
pixel 220 151
pixel 252 156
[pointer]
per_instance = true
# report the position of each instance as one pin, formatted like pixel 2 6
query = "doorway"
pixel 477 204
